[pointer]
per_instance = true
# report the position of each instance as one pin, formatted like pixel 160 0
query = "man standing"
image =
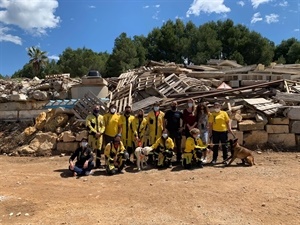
pixel 173 123
pixel 85 158
pixel 96 127
pixel 155 124
pixel 125 130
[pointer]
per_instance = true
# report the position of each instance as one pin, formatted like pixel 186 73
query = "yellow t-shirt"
pixel 219 121
pixel 168 144
pixel 191 144
pixel 111 122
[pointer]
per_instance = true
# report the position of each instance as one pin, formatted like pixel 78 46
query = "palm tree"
pixel 38 59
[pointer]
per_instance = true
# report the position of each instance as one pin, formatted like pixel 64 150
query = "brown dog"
pixel 240 152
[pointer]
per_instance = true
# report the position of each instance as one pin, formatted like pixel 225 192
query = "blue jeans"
pixel 204 136
pixel 81 171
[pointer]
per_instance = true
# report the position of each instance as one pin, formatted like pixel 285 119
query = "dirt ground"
pixel 42 191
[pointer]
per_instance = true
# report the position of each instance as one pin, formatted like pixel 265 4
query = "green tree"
pixel 293 54
pixel 283 48
pixel 123 57
pixel 26 71
pixel 78 62
pixel 281 60
pixel 52 68
pixel 38 60
pixel 139 42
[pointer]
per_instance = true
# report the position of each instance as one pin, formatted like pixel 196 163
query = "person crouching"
pixel 115 156
pixel 193 150
pixel 163 149
pixel 85 158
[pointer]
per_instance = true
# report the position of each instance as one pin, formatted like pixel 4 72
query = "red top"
pixel 188 118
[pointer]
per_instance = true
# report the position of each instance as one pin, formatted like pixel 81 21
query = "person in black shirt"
pixel 173 121
pixel 85 160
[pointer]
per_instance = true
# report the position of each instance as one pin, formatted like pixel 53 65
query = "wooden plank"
pixel 288 97
pixel 268 107
pixel 254 101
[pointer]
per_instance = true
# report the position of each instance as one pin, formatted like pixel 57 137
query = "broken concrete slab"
pixel 295 127
pixel 279 121
pixel 256 137
pixel 18 97
pixel 66 147
pixel 250 125
pixel 283 140
pixel 293 112
pixel 277 129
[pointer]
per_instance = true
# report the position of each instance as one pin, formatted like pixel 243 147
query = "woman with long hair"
pixel 189 118
pixel 202 115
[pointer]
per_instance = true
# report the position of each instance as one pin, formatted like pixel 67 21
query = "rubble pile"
pixel 53 132
pixel 52 87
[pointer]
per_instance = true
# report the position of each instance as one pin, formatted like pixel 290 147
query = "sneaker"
pixel 213 162
pixel 74 174
pixel 225 163
pixel 204 160
pixel 87 173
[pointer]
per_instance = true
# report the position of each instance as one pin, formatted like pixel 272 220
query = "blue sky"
pixel 54 25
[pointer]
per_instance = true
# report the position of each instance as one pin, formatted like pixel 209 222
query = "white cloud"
pixel 55 57
pixel 92 6
pixel 155 16
pixel 297 30
pixel 256 18
pixel 33 16
pixel 157 6
pixel 272 18
pixel 241 3
pixel 207 6
pixel 256 3
pixel 4 36
pixel 179 17
pixel 146 7
pixel 283 4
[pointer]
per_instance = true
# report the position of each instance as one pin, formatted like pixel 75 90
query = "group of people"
pixel 118 135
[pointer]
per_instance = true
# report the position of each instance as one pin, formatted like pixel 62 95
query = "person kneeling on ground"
pixel 163 150
pixel 193 149
pixel 85 160
pixel 115 156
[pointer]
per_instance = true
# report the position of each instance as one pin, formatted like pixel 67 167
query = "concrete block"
pixel 18 97
pixel 277 129
pixel 295 127
pixel 66 147
pixel 238 134
pixel 297 141
pixel 293 112
pixel 286 140
pixel 7 115
pixel 250 125
pixel 234 124
pixel 256 137
pixel 279 121
pixel 234 83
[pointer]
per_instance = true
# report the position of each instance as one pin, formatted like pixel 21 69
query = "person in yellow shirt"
pixel 163 148
pixel 155 123
pixel 125 130
pixel 111 121
pixel 194 148
pixel 95 126
pixel 138 126
pixel 115 156
pixel 219 126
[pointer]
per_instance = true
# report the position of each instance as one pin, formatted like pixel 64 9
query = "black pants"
pixel 176 137
pixel 98 157
pixel 217 138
